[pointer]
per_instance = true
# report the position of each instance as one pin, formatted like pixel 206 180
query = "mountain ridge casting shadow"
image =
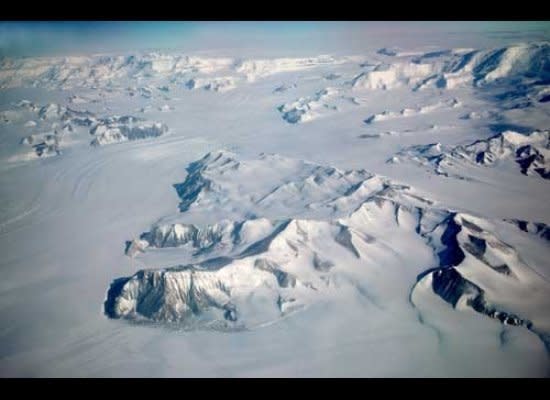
pixel 114 291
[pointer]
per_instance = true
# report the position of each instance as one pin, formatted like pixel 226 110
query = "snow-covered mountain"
pixel 442 69
pixel 119 129
pixel 301 203
pixel 241 274
pixel 529 152
pixel 104 70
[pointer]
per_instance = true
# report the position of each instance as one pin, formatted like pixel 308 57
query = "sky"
pixel 85 37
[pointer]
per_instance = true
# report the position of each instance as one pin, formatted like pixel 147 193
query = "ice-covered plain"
pixel 379 210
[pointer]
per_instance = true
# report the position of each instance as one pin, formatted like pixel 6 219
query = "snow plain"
pixel 381 213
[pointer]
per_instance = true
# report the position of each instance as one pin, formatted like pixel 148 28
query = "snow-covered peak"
pixel 272 184
pixel 528 151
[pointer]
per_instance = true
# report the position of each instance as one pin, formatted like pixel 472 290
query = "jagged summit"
pixel 529 152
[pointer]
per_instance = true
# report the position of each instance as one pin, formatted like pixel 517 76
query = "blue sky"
pixel 45 38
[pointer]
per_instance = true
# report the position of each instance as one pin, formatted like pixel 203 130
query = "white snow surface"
pixel 374 214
